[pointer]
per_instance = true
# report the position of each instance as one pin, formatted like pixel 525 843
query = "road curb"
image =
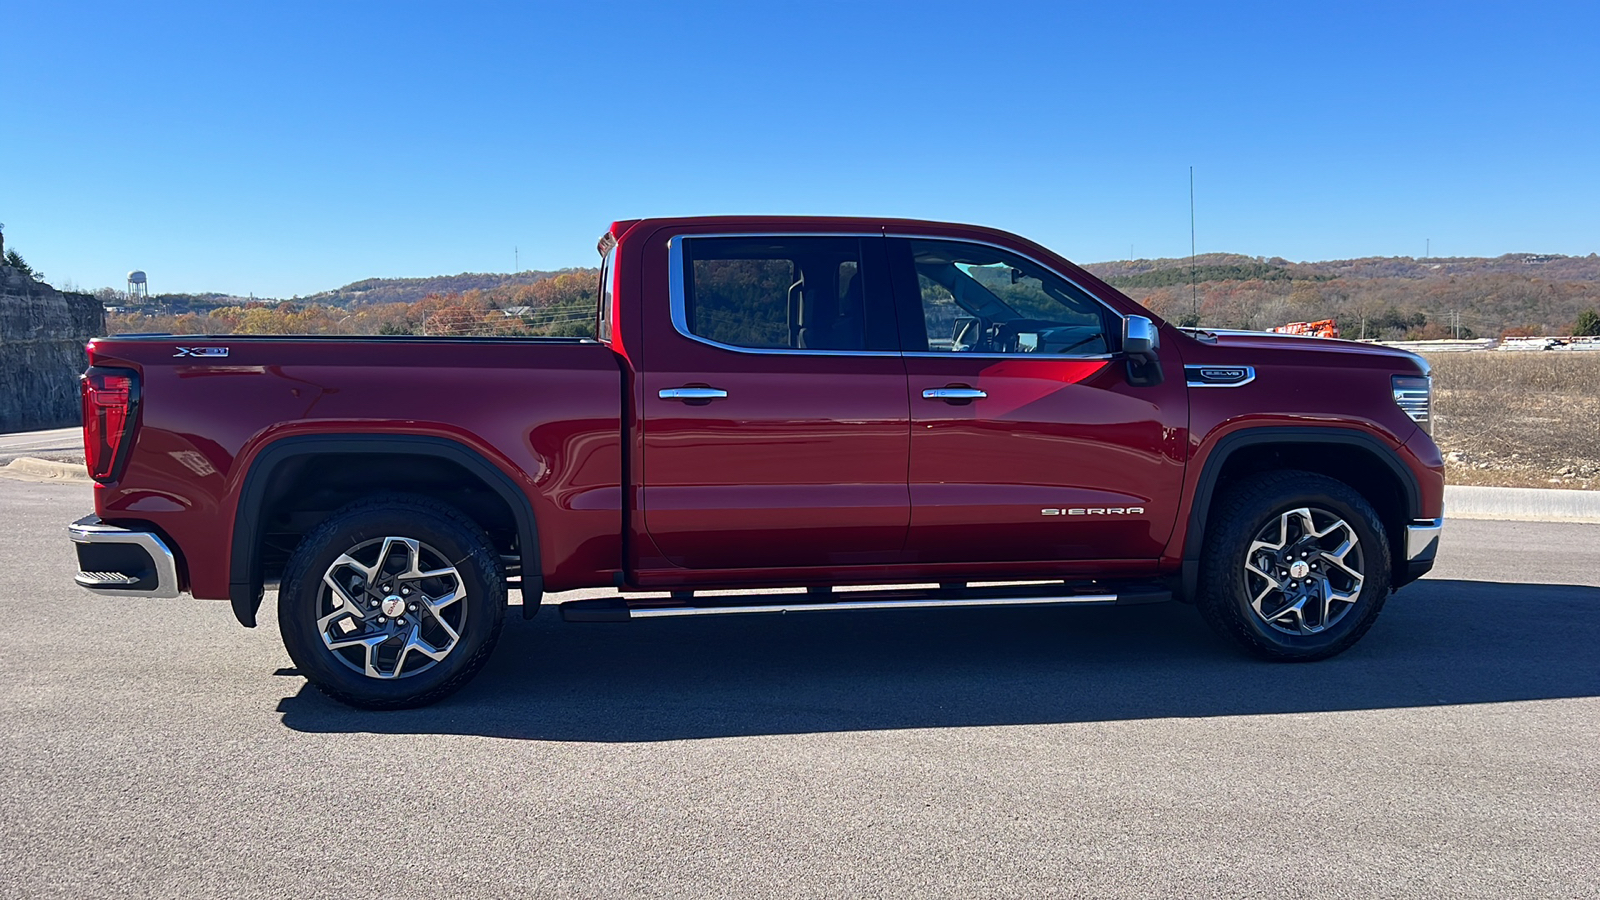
pixel 1521 504
pixel 27 468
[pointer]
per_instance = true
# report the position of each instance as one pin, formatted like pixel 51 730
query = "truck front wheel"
pixel 392 602
pixel 1295 566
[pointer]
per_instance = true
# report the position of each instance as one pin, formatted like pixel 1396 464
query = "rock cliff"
pixel 42 333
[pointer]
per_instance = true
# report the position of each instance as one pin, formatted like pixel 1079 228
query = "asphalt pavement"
pixel 157 749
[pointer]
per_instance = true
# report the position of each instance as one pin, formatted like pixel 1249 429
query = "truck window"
pixel 782 293
pixel 981 299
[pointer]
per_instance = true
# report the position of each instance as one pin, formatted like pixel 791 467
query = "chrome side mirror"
pixel 1140 339
pixel 1141 344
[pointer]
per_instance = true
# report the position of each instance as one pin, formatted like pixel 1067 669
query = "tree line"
pixel 560 305
pixel 1369 299
pixel 1491 302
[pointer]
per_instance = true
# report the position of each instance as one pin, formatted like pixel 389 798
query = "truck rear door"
pixel 774 409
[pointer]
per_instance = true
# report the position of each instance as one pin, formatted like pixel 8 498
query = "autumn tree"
pixel 451 320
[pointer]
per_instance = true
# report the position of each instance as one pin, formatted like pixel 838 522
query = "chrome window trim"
pixel 1249 371
pixel 678 302
pixel 606 299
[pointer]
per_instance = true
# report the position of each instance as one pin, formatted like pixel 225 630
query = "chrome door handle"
pixel 954 393
pixel 692 393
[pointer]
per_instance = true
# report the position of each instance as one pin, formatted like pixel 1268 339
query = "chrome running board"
pixel 622 609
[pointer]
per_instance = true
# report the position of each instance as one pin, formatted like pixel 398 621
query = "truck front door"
pixel 774 409
pixel 1027 441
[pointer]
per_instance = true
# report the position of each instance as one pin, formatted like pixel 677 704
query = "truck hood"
pixel 1266 340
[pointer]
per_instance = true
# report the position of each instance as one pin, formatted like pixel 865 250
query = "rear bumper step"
pixel 622 609
pixel 120 562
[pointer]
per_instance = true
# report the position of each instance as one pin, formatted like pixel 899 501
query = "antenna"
pixel 1430 249
pixel 1194 292
pixel 516 256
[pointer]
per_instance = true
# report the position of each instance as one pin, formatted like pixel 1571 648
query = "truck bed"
pixel 545 412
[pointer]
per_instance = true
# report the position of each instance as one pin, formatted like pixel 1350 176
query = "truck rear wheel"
pixel 1295 566
pixel 392 602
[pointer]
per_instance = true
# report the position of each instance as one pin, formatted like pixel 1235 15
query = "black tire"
pixel 1255 507
pixel 445 536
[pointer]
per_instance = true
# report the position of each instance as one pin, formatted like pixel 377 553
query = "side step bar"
pixel 622 609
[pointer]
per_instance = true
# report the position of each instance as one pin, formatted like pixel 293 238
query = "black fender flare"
pixel 1206 486
pixel 245 583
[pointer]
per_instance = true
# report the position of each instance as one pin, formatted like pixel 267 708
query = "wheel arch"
pixel 262 485
pixel 1366 463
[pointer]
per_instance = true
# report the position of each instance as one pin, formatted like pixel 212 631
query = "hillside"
pixel 366 291
pixel 410 290
pixel 1541 265
pixel 520 304
pixel 1375 297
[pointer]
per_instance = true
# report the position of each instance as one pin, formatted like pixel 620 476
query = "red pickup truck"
pixel 803 410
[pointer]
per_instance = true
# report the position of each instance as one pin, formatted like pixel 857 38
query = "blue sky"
pixel 285 148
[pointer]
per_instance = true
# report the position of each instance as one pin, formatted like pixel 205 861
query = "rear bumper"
pixel 1422 545
pixel 122 562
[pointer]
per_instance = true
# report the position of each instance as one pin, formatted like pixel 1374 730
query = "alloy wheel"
pixel 1304 571
pixel 391 607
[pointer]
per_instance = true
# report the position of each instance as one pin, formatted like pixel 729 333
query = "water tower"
pixel 138 287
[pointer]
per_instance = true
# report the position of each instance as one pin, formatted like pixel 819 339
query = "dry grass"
pixel 1518 419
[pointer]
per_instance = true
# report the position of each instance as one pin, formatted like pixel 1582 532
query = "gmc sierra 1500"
pixel 768 403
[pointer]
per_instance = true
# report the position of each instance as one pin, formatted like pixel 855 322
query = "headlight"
pixel 1414 394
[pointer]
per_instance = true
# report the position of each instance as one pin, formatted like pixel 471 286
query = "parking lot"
pixel 156 748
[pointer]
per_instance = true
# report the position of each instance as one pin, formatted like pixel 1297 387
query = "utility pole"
pixel 1194 292
pixel 1429 250
pixel 516 257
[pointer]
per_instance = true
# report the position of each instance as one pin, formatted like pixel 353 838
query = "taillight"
pixel 110 408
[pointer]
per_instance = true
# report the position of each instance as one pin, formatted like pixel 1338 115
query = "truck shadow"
pixel 1438 642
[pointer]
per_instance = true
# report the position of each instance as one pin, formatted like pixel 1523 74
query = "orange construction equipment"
pixel 1324 329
